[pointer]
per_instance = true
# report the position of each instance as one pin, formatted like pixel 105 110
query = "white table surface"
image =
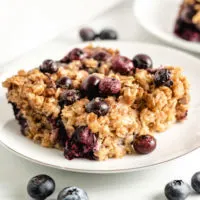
pixel 141 185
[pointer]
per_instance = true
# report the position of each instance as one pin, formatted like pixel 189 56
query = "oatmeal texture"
pixel 141 107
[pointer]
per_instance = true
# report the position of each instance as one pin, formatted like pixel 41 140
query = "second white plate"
pixel 158 18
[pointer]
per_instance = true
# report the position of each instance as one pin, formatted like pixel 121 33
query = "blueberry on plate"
pixel 97 106
pixel 87 34
pixel 90 86
pixel 196 182
pixel 72 193
pixel 177 190
pixel 64 82
pixel 40 187
pixel 122 64
pixel 144 144
pixel 162 78
pixel 109 86
pixel 142 61
pixel 108 34
pixel 49 66
pixel 68 97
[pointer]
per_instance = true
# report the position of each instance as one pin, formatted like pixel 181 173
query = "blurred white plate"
pixel 180 139
pixel 158 18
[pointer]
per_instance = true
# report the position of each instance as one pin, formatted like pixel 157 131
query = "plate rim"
pixel 175 42
pixel 107 171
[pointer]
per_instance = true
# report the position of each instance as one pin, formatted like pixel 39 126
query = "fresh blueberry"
pixel 108 34
pixel 109 86
pixel 101 55
pixel 68 97
pixel 90 86
pixel 144 144
pixel 196 182
pixel 64 82
pixel 87 34
pixel 162 78
pixel 72 193
pixel 122 64
pixel 177 190
pixel 97 106
pixel 142 61
pixel 81 144
pixel 40 187
pixel 76 54
pixel 49 66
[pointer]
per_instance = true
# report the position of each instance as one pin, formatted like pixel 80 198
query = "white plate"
pixel 158 17
pixel 180 139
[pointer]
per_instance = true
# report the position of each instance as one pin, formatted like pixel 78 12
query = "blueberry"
pixel 101 55
pixel 196 182
pixel 142 61
pixel 40 187
pixel 81 144
pixel 68 97
pixel 90 86
pixel 161 78
pixel 109 86
pixel 72 193
pixel 108 34
pixel 64 82
pixel 97 106
pixel 87 34
pixel 76 54
pixel 177 190
pixel 122 64
pixel 49 66
pixel 144 144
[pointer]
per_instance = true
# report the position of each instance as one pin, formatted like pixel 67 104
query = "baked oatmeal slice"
pixel 94 101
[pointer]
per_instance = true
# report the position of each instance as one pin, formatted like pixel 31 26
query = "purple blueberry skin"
pixel 97 106
pixel 64 82
pixel 40 187
pixel 177 190
pixel 101 56
pixel 76 54
pixel 142 61
pixel 87 34
pixel 122 64
pixel 81 144
pixel 144 144
pixel 108 34
pixel 68 97
pixel 195 182
pixel 90 86
pixel 49 66
pixel 109 86
pixel 72 193
pixel 21 120
pixel 162 78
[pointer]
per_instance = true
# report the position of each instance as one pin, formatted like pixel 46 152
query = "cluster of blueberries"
pixel 88 34
pixel 179 190
pixel 42 186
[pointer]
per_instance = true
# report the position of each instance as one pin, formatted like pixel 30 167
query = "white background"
pixel 142 185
